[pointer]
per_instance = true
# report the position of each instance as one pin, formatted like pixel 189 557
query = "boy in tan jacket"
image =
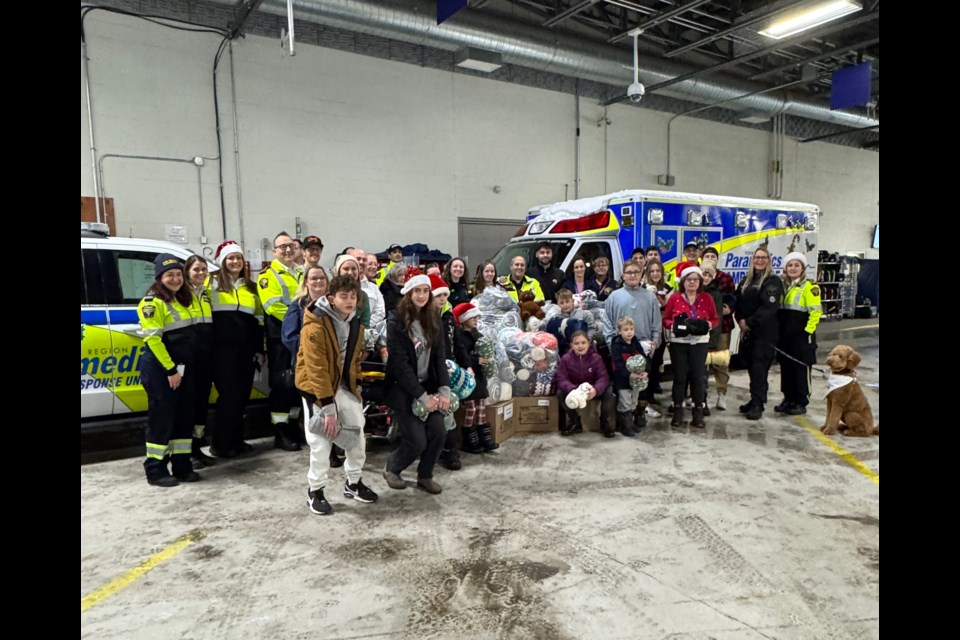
pixel 328 365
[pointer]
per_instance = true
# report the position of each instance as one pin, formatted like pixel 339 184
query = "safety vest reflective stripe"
pixel 235 306
pixel 284 291
pixel 181 445
pixel 156 451
pixel 801 307
pixel 242 301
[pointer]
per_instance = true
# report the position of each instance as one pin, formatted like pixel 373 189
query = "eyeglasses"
pixel 631 273
pixel 285 247
pixel 316 279
pixel 760 258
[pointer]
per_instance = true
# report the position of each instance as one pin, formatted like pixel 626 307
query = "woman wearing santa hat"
pixel 416 371
pixel 689 316
pixel 797 343
pixel 238 346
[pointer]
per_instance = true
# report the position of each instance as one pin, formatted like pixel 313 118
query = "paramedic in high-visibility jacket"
pixel 799 315
pixel 518 281
pixel 167 322
pixel 276 286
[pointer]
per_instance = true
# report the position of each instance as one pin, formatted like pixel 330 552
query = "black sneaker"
pixel 795 410
pixel 755 413
pixel 318 504
pixel 359 492
pixel 783 407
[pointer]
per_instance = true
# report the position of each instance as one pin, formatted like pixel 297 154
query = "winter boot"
pixel 486 437
pixel 639 418
pixel 697 418
pixel 199 459
pixel 605 428
pixel 450 456
pixel 677 419
pixel 571 425
pixel 471 440
pixel 283 439
pixel 625 424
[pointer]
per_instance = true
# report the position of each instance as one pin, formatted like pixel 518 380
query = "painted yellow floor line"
pixel 840 451
pixel 140 570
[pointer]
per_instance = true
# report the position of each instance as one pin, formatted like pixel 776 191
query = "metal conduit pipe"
pixel 534 47
pixel 236 146
pixel 93 144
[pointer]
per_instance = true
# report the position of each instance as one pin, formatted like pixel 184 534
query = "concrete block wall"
pixel 368 151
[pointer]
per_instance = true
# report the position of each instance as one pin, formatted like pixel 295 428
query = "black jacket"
pixel 402 383
pixel 549 279
pixel 391 294
pixel 759 306
pixel 453 347
pixel 458 292
pixel 605 289
pixel 469 341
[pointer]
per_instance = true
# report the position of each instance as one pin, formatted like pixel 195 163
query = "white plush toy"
pixel 577 399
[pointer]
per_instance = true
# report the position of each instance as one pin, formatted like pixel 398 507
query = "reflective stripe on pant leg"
pixel 181 446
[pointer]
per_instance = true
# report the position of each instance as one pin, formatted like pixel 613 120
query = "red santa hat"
pixel 227 248
pixel 678 270
pixel 437 285
pixel 464 311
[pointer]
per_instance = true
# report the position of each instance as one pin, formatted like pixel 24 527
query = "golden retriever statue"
pixel 847 408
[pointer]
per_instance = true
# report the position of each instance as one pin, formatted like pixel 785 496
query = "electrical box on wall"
pixel 666 179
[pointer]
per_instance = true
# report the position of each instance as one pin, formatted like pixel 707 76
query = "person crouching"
pixel 583 365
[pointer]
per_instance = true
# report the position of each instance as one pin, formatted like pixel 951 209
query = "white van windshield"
pixel 528 250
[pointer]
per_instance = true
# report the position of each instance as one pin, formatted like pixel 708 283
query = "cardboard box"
pixel 536 415
pixel 501 418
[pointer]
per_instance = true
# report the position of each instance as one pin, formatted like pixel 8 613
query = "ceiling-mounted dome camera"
pixel 635 92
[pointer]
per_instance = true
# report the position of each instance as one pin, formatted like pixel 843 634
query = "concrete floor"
pixel 740 531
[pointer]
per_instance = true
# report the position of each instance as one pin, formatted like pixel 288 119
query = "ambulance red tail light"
pixel 522 230
pixel 599 220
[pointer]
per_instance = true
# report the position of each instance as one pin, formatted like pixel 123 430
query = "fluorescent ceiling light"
pixel 478 59
pixel 813 16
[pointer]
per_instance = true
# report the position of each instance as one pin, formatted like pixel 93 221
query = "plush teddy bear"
pixel 577 399
pixel 530 309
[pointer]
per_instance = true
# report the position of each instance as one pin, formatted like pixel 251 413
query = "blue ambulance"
pixel 613 225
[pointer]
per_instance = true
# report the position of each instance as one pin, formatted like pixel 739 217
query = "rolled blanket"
pixel 637 364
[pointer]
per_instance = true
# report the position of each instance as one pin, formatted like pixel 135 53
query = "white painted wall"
pixel 368 152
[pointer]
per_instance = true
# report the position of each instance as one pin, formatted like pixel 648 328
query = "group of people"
pixel 314 328
pixel 691 312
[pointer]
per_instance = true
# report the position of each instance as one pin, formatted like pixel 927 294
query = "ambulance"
pixel 613 225
pixel 115 273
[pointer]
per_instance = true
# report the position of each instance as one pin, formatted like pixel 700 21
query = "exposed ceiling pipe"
pixel 538 48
